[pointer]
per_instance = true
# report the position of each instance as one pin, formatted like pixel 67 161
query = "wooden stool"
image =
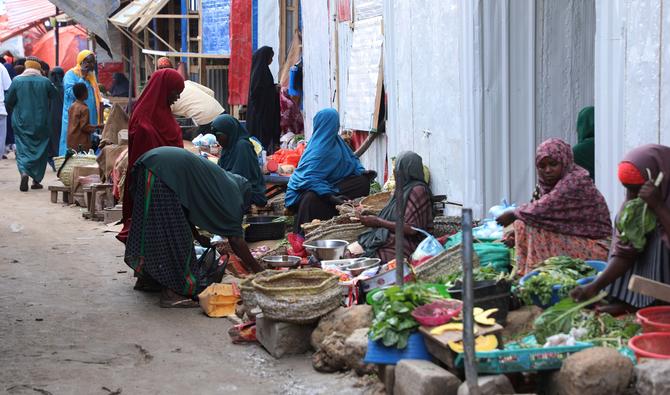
pixel 92 193
pixel 67 195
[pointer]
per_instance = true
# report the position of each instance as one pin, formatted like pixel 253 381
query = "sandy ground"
pixel 70 322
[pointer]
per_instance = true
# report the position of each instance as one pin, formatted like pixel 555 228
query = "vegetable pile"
pixel 635 221
pixel 483 273
pixel 393 321
pixel 560 317
pixel 561 271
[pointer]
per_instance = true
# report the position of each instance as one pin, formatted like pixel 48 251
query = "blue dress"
pixel 68 82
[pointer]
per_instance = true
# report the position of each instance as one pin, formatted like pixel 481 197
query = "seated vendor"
pixel 653 262
pixel 174 191
pixel 380 241
pixel 238 155
pixel 328 174
pixel 570 217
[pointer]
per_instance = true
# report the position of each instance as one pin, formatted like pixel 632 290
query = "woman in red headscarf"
pixel 637 173
pixel 151 126
pixel 570 217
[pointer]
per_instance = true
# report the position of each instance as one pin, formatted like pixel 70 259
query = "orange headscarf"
pixel 90 77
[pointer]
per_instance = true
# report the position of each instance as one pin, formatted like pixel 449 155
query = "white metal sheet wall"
pixel 268 30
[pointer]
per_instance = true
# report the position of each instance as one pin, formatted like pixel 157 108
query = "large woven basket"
pixel 347 232
pixel 247 290
pixel 443 264
pixel 298 296
pixel 65 174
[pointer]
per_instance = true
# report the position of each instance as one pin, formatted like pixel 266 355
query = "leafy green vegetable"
pixel 559 317
pixel 483 273
pixel 606 331
pixel 393 321
pixel 563 271
pixel 635 221
pixel 375 188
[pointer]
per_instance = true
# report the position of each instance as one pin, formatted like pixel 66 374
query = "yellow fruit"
pixel 482 343
pixel 484 319
pixel 475 312
pixel 453 326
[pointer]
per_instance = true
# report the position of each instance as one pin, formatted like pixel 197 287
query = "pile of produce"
pixel 482 273
pixel 393 320
pixel 561 271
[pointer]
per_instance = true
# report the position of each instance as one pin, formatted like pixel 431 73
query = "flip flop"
pixel 179 304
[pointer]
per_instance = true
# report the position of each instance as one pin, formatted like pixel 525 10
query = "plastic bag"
pixel 493 254
pixel 427 249
pixel 503 207
pixel 296 242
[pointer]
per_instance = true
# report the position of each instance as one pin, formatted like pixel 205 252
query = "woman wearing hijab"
pixel 584 150
pixel 56 76
pixel 569 219
pixel 238 155
pixel 379 242
pixel 175 191
pixel 653 262
pixel 263 105
pixel 328 174
pixel 29 97
pixel 120 85
pixel 151 126
pixel 83 72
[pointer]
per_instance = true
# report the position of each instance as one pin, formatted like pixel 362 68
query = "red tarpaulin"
pixel 72 40
pixel 106 72
pixel 240 52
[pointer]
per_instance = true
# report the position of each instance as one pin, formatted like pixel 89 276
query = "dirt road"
pixel 70 322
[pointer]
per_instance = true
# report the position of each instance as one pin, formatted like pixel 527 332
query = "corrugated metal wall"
pixel 25 12
pixel 217 80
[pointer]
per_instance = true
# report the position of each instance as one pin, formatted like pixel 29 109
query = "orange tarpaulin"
pixel 72 40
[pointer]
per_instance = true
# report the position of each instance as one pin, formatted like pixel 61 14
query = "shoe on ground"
pixel 24 183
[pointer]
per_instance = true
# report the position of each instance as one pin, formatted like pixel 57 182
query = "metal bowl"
pixel 341 264
pixel 359 267
pixel 282 261
pixel 327 250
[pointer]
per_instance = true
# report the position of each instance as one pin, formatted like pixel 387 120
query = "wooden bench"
pixel 66 191
pixel 93 192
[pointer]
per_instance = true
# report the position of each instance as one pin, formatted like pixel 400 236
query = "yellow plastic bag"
pixel 219 300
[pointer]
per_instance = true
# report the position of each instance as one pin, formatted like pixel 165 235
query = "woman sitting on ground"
pixel 174 191
pixel 328 174
pixel 380 241
pixel 238 155
pixel 653 262
pixel 570 218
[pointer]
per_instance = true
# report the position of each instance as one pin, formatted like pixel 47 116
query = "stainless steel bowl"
pixel 341 264
pixel 327 250
pixel 282 261
pixel 359 267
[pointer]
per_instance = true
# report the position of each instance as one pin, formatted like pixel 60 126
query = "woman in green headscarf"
pixel 379 242
pixel 238 155
pixel 584 150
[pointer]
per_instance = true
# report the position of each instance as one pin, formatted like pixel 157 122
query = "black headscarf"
pixel 410 166
pixel 120 85
pixel 263 104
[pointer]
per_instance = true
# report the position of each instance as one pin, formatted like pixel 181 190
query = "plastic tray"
pixel 378 353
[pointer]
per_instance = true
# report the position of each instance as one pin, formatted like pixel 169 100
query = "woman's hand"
pixel 584 292
pixel 506 219
pixel 650 195
pixel 509 240
pixel 370 221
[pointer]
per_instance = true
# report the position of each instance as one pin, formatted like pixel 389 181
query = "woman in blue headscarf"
pixel 328 174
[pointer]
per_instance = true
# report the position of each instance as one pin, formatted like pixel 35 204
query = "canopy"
pixel 72 40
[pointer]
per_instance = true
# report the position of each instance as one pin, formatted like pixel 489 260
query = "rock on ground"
pixel 490 385
pixel 520 321
pixel 355 348
pixel 331 356
pixel 282 338
pixel 344 320
pixel 653 377
pixel 418 377
pixel 594 371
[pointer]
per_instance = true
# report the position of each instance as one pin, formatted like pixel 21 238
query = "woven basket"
pixel 65 174
pixel 443 264
pixel 376 202
pixel 347 232
pixel 247 290
pixel 450 225
pixel 298 296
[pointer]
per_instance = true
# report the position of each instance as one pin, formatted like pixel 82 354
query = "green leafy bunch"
pixel 635 222
pixel 562 270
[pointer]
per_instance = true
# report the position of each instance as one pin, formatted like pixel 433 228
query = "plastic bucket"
pixel 654 345
pixel 654 319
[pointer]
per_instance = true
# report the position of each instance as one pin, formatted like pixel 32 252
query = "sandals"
pixel 24 183
pixel 36 185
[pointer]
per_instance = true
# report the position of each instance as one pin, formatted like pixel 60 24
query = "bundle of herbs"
pixel 482 273
pixel 562 270
pixel 393 321
pixel 637 220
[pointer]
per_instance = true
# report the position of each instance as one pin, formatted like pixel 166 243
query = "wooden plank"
pixel 649 287
pixel 129 14
pixel 183 54
pixel 148 14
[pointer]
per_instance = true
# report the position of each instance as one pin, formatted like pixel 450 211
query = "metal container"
pixel 362 265
pixel 341 264
pixel 327 250
pixel 263 228
pixel 282 261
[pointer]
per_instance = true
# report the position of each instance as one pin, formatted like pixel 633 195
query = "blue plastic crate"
pixel 378 353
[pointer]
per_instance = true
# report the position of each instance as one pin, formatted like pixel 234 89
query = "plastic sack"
pixel 493 254
pixel 498 210
pixel 489 231
pixel 206 140
pixel 427 249
pixel 296 248
pixel 219 300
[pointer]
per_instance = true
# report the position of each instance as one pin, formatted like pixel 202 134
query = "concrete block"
pixel 417 377
pixel 490 385
pixel 653 377
pixel 386 374
pixel 594 371
pixel 283 338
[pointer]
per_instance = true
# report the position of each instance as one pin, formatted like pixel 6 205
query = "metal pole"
pixel 468 305
pixel 57 38
pixel 399 230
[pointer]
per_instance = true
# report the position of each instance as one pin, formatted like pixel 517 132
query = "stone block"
pixel 417 377
pixel 490 385
pixel 386 374
pixel 355 347
pixel 594 371
pixel 653 377
pixel 344 320
pixel 282 338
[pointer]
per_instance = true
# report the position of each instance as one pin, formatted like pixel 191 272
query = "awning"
pixel 138 14
pixel 25 12
pixel 92 14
